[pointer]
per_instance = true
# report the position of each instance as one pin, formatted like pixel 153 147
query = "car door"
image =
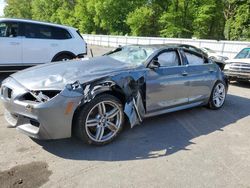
pixel 10 44
pixel 37 43
pixel 166 86
pixel 201 75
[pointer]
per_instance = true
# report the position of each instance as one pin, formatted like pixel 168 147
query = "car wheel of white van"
pixel 218 96
pixel 63 57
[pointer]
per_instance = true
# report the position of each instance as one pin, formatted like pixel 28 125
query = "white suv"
pixel 24 43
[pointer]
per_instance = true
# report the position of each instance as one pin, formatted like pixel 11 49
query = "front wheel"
pixel 218 96
pixel 100 121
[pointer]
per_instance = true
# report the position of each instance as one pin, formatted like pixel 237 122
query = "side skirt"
pixel 164 111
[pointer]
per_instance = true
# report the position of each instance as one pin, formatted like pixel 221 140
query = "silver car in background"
pixel 214 55
pixel 93 98
pixel 238 68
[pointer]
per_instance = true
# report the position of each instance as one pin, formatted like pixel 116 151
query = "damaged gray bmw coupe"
pixel 92 98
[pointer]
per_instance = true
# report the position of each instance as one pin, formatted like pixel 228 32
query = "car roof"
pixel 175 45
pixel 37 22
pixel 159 47
pixel 155 46
pixel 163 46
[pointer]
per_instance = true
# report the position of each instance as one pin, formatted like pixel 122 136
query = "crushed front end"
pixel 48 113
pixel 44 114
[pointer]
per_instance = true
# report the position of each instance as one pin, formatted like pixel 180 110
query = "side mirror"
pixel 154 64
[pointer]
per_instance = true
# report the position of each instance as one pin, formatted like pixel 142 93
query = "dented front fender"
pixel 131 85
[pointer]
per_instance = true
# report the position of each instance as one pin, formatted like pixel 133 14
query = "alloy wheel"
pixel 219 95
pixel 103 121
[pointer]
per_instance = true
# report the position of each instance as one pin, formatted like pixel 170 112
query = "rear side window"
pixel 168 59
pixel 78 32
pixel 39 31
pixel 194 59
pixel 9 29
pixel 60 33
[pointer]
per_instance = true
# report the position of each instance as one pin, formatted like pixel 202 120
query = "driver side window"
pixel 169 59
pixel 9 29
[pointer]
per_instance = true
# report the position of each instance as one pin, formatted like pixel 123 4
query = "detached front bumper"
pixel 41 120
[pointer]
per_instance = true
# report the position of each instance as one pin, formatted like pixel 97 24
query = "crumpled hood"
pixel 54 76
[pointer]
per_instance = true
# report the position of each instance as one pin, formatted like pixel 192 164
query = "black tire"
pixel 63 57
pixel 211 103
pixel 80 129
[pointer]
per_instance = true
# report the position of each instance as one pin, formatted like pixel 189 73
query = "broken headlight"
pixel 227 66
pixel 40 96
pixel 73 90
pixel 75 86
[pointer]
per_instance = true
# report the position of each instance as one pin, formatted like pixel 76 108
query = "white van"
pixel 25 43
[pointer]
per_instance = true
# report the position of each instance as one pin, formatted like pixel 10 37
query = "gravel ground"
pixel 190 148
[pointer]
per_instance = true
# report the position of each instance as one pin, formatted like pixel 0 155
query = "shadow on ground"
pixel 241 84
pixel 156 137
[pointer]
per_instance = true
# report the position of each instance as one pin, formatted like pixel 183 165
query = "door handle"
pixel 184 73
pixel 14 43
pixel 53 45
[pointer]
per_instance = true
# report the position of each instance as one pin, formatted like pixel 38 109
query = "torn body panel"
pixel 135 110
pixel 131 86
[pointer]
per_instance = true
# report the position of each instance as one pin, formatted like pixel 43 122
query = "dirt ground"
pixel 21 175
pixel 191 148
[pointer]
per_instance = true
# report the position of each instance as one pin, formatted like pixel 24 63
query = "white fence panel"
pixel 227 48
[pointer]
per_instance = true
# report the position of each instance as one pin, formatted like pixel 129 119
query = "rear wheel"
pixel 100 121
pixel 218 96
pixel 63 57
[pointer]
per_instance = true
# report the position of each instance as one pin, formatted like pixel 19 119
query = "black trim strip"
pixel 13 68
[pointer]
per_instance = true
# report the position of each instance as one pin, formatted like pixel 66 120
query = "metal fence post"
pixel 108 40
pixel 223 48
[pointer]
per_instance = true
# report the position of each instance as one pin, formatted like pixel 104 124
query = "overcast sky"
pixel 2 4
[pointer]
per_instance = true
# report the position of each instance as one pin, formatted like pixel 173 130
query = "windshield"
pixel 210 50
pixel 132 54
pixel 244 54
